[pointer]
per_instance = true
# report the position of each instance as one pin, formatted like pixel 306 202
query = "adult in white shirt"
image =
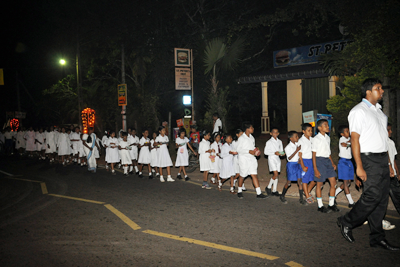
pixel 369 142
pixel 247 160
pixel 217 124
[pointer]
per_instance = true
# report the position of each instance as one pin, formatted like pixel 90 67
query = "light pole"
pixel 63 62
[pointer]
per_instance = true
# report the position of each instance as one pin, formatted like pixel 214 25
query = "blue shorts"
pixel 325 168
pixel 293 171
pixel 345 169
pixel 309 176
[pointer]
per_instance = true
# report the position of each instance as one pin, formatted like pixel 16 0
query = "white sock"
pixel 220 183
pixel 258 191
pixel 130 168
pixel 239 189
pixel 350 199
pixel 338 190
pixel 161 177
pixel 157 173
pixel 275 185
pixel 136 169
pixel 232 189
pixel 319 200
pixel 179 173
pixel 185 176
pixel 213 179
pixel 331 201
pixel 125 170
pixel 152 170
pixel 140 173
pixel 271 182
pixel 169 176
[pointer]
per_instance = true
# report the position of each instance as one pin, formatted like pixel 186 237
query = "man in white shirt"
pixel 369 142
pixel 217 124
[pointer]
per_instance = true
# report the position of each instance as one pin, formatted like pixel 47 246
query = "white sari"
pixel 91 160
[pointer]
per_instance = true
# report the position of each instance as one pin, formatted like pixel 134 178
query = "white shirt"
pixel 322 145
pixel 344 152
pixel 392 153
pixel 370 123
pixel 273 145
pixel 217 124
pixel 306 145
pixel 245 144
pixel 289 150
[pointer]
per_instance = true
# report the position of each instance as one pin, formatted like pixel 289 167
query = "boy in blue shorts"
pixel 345 166
pixel 305 160
pixel 324 168
pixel 293 168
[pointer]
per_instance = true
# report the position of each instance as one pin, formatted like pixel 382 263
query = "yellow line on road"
pixel 213 245
pixel 78 199
pixel 293 264
pixel 26 180
pixel 44 188
pixel 123 217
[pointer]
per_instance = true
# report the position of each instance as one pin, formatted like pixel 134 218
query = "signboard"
pixel 309 117
pixel 182 79
pixel 306 54
pixel 20 115
pixel 122 95
pixel 182 57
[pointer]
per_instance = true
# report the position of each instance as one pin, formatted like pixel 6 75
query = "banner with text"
pixel 182 79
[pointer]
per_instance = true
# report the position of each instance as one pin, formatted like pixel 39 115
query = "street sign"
pixel 182 79
pixel 122 95
pixel 182 57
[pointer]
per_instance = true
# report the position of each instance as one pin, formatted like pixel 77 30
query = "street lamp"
pixel 62 61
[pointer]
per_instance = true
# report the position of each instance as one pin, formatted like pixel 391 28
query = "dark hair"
pixel 389 124
pixel 124 134
pixel 111 132
pixel 182 130
pixel 291 133
pixel 274 128
pixel 225 137
pixel 247 126
pixel 341 128
pixel 305 126
pixel 238 131
pixel 206 132
pixel 368 84
pixel 320 122
pixel 216 134
pixel 160 128
pixel 193 127
pixel 215 115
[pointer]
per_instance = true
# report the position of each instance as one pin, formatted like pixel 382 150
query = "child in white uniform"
pixel 204 159
pixel 104 144
pixel 112 151
pixel 134 143
pixel 63 145
pixel 239 133
pixel 274 149
pixel 182 157
pixel 40 143
pixel 154 158
pixel 216 163
pixel 164 159
pixel 50 144
pixel 30 141
pixel 227 165
pixel 20 141
pixel 144 155
pixel 124 148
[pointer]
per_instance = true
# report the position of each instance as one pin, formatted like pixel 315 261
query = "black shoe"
pixel 126 174
pixel 283 199
pixel 324 210
pixel 240 195
pixel 303 202
pixel 384 244
pixel 187 178
pixel 244 189
pixel 268 191
pixel 352 205
pixel 346 231
pixel 150 176
pixel 141 175
pixel 333 208
pixel 276 193
pixel 131 172
pixel 179 177
pixel 262 196
pixel 137 173
pixel 335 203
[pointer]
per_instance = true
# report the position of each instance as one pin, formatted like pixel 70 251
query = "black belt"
pixel 374 154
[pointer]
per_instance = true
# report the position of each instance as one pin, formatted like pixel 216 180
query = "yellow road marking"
pixel 293 264
pixel 213 245
pixel 26 180
pixel 78 199
pixel 44 188
pixel 123 217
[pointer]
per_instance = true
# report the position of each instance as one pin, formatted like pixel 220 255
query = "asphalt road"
pixel 128 221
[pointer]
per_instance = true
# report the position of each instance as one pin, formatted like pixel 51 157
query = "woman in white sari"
pixel 89 143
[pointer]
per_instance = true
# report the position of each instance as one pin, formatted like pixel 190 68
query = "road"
pixel 64 216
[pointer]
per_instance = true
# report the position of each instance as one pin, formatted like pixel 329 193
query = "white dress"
pixel 134 150
pixel 247 162
pixel 95 149
pixel 235 157
pixel 204 158
pixel 182 156
pixel 91 160
pixel 216 165
pixel 164 159
pixel 50 142
pixel 124 153
pixel 40 144
pixel 154 153
pixel 63 144
pixel 20 141
pixel 82 152
pixel 227 168
pixel 112 155
pixel 30 141
pixel 144 155
pixel 75 144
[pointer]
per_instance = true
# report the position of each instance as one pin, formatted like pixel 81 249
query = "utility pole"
pixel 124 127
pixel 192 76
pixel 78 81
